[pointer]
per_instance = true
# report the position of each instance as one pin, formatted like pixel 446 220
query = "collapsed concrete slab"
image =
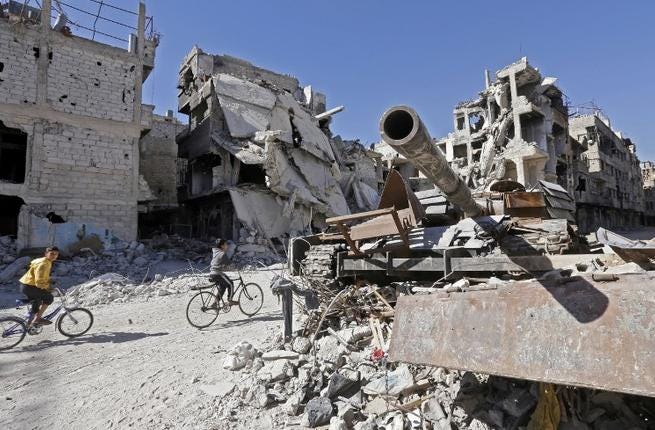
pixel 256 144
pixel 260 211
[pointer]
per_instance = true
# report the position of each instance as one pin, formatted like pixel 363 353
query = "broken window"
pixel 9 209
pixel 199 113
pixel 561 172
pixel 251 174
pixel 13 154
pixel 460 151
pixel 476 122
pixel 510 170
pixel 202 173
pixel 460 123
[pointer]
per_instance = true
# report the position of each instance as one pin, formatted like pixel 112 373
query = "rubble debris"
pixel 335 385
pixel 14 268
pixel 514 269
pixel 240 356
pixel 318 412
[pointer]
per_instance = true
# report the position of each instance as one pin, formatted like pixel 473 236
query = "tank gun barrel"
pixel 403 130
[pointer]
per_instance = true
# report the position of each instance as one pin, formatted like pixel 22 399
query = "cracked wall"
pixel 79 102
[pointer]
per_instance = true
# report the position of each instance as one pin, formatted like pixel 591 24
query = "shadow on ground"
pixel 268 316
pixel 110 337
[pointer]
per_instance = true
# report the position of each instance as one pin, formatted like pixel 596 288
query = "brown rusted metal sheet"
pixel 581 333
pixel 397 193
pixel 522 199
pixel 525 204
pixel 380 226
pixel 399 211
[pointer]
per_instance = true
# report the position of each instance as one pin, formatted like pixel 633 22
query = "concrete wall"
pixel 79 101
pixel 158 156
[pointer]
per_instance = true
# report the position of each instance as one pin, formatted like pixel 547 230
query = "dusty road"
pixel 141 366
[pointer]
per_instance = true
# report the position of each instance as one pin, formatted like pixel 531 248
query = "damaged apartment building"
pixel 648 177
pixel 258 161
pixel 607 177
pixel 70 121
pixel 518 130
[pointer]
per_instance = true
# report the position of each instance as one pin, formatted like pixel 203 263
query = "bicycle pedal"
pixel 34 330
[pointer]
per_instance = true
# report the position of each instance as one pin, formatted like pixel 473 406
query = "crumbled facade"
pixel 518 129
pixel 648 176
pixel 608 185
pixel 261 163
pixel 70 122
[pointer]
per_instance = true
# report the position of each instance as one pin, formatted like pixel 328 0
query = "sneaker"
pixel 41 321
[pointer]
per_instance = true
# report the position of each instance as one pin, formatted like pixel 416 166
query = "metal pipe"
pixel 403 130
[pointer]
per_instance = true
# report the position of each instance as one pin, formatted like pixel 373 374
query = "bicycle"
pixel 73 322
pixel 205 306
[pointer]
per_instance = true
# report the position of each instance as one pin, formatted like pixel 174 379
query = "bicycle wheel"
pixel 251 299
pixel 12 332
pixel 75 322
pixel 200 312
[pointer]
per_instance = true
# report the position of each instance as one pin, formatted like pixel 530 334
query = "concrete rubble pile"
pixel 8 259
pixel 130 259
pixel 337 376
pixel 114 288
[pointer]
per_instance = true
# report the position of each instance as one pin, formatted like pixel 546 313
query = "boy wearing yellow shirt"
pixel 36 284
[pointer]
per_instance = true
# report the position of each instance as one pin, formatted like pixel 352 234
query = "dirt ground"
pixel 141 366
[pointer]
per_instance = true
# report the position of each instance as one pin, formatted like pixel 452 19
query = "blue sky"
pixel 371 54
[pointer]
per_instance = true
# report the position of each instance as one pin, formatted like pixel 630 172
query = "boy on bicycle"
pixel 35 284
pixel 219 260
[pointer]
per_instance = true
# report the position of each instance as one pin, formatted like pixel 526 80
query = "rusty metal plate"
pixel 398 193
pixel 582 333
pixel 522 199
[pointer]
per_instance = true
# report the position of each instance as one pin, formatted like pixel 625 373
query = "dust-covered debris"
pixel 345 380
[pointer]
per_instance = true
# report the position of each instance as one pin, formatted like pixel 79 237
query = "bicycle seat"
pixel 23 301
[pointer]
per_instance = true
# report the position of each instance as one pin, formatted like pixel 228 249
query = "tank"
pixel 403 130
pixel 403 239
pixel 501 288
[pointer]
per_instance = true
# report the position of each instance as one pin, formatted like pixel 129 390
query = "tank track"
pixel 320 263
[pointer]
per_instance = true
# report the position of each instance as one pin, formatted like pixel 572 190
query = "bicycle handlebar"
pixel 60 292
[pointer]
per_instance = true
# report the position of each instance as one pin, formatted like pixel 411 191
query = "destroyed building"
pixel 515 129
pixel 648 177
pixel 518 129
pixel 259 162
pixel 70 122
pixel 607 186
